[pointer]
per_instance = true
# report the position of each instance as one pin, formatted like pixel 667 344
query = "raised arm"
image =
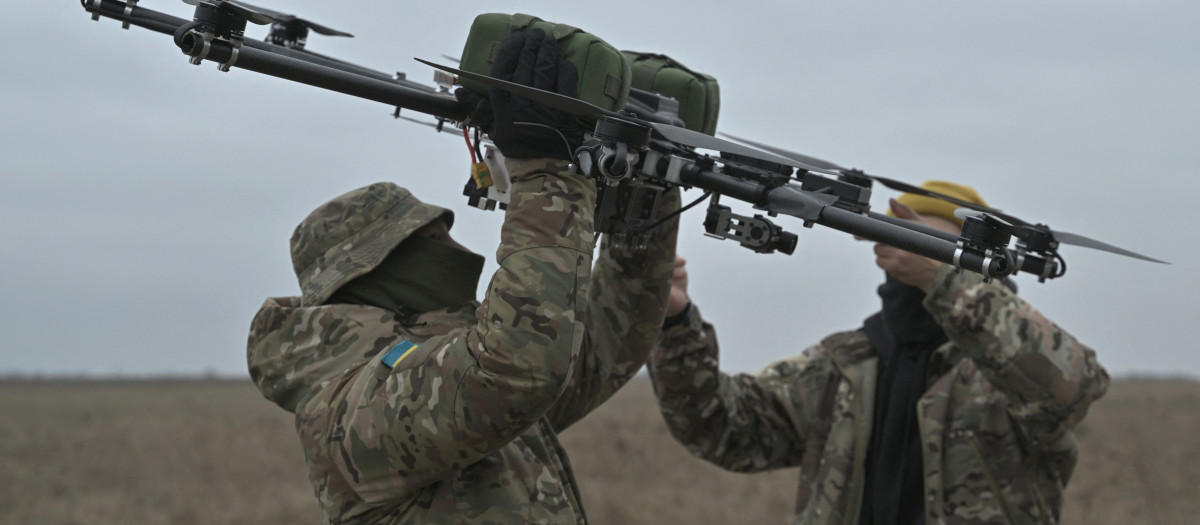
pixel 627 303
pixel 739 422
pixel 467 393
pixel 1050 378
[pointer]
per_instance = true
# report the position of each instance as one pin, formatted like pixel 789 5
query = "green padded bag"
pixel 604 73
pixel 698 94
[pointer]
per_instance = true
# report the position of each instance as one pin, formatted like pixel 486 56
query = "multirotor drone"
pixel 636 155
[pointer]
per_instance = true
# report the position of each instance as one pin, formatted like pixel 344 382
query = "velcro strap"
pixel 520 21
pixel 492 52
pixel 562 31
pixel 612 86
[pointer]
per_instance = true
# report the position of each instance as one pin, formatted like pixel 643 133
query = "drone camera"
pixel 756 233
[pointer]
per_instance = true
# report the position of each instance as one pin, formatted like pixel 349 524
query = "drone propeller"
pixel 1079 240
pixel 1013 225
pixel 586 109
pixel 809 161
pixel 1028 231
pixel 264 16
pixel 890 183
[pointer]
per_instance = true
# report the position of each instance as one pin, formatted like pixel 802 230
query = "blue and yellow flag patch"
pixel 397 353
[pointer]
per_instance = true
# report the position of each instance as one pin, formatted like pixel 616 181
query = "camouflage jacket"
pixel 997 418
pixel 463 428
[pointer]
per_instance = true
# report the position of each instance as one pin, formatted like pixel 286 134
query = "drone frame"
pixel 638 154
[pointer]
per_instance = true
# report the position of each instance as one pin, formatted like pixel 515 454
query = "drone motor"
pixel 986 235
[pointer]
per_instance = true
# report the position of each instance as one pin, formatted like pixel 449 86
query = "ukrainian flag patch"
pixel 397 353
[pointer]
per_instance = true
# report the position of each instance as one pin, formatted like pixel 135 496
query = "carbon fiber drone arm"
pixel 821 209
pixel 298 65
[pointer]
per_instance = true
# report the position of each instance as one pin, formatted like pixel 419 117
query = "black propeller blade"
pixel 809 161
pixel 1079 240
pixel 1015 226
pixel 1026 230
pixel 583 108
pixel 570 105
pixel 890 183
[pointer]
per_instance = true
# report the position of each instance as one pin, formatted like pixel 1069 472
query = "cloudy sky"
pixel 146 204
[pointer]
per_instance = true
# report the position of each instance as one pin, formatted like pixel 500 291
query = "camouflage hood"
pixel 351 234
pixel 293 348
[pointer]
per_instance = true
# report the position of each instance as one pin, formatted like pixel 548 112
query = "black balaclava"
pixel 904 334
pixel 420 275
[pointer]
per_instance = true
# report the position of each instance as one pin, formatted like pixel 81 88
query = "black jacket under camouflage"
pixel 997 418
pixel 463 430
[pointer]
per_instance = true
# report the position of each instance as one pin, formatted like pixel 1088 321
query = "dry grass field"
pixel 184 452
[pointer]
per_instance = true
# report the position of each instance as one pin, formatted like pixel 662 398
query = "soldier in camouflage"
pixel 415 403
pixel 955 404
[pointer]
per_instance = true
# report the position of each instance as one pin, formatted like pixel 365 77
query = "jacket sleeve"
pixel 625 314
pixel 471 392
pixel 742 422
pixel 1049 377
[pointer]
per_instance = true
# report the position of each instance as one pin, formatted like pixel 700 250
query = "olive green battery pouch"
pixel 698 94
pixel 604 73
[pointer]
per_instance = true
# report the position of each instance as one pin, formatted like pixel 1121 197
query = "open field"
pixel 184 452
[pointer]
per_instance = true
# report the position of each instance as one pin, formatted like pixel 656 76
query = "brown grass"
pixel 187 452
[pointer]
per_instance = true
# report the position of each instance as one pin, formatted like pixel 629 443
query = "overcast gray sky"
pixel 146 204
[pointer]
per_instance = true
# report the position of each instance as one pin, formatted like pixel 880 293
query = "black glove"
pixel 479 109
pixel 520 127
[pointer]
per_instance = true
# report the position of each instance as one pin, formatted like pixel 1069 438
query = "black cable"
pixel 478 135
pixel 183 29
pixel 566 143
pixel 676 213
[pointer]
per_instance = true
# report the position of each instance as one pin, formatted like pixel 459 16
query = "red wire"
pixel 469 147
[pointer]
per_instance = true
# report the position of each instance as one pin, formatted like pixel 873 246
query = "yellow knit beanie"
pixel 933 206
